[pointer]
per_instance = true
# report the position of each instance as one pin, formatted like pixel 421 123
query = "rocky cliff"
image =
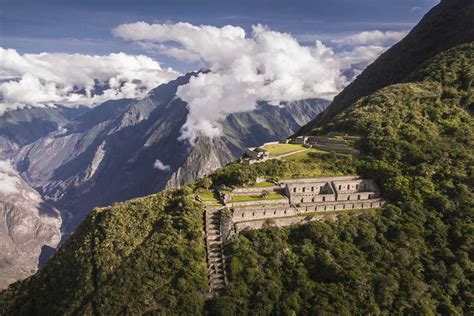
pixel 29 227
pixel 129 148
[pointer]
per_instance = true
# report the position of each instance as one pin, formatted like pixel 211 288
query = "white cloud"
pixel 361 55
pixel 8 180
pixel 372 38
pixel 161 166
pixel 72 79
pixel 244 69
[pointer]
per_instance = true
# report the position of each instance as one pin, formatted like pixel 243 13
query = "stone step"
pixel 216 276
pixel 214 240
pixel 217 282
pixel 215 261
pixel 218 285
pixel 214 251
pixel 215 255
pixel 217 269
pixel 213 232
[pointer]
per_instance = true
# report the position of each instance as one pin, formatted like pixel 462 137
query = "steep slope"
pixel 128 148
pixel 24 126
pixel 30 226
pixel 113 252
pixel 411 258
pixel 29 230
pixel 248 129
pixel 446 25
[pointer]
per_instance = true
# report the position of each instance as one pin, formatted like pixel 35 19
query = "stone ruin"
pixel 300 197
pixel 301 201
pixel 254 154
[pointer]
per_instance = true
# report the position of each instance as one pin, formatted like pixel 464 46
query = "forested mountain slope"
pixel 413 257
pixel 446 25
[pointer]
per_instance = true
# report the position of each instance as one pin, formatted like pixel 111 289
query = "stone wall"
pixel 267 212
pixel 282 222
pixel 356 196
pixel 257 203
pixel 354 185
pixel 323 179
pixel 312 198
pixel 271 212
pixel 254 191
pixel 323 187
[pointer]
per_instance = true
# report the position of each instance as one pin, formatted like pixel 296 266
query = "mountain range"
pixel 78 159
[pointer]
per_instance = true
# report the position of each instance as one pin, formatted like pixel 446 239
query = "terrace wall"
pixel 258 202
pixel 269 212
pixel 253 191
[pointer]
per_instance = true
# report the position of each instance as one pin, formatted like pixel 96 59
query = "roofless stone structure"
pixel 285 203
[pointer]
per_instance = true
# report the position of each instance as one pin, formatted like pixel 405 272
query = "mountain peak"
pixel 447 25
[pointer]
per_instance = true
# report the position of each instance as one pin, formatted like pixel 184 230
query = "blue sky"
pixel 85 26
pixel 260 50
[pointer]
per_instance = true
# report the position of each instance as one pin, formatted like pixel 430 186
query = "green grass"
pixel 318 163
pixel 280 149
pixel 210 199
pixel 263 184
pixel 304 155
pixel 246 198
pixel 209 196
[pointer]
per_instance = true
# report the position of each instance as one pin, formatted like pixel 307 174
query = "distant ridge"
pixel 447 25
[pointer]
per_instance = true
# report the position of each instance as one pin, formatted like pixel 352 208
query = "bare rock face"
pixel 109 154
pixel 29 229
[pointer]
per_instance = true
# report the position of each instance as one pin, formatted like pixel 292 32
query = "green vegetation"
pixel 209 196
pixel 311 163
pixel 317 163
pixel 245 198
pixel 415 256
pixel 144 255
pixel 308 155
pixel 280 149
pixel 263 184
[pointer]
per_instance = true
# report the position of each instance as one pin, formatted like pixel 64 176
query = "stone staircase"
pixel 215 256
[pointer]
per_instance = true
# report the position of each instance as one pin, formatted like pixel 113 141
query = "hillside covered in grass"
pixel 131 258
pixel 415 138
pixel 447 25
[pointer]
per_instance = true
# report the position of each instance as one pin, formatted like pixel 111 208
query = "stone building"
pixel 298 140
pixel 317 191
pixel 357 189
pixel 331 189
pixel 254 155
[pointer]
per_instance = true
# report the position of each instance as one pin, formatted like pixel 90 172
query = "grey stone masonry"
pixel 245 214
pixel 331 189
pixel 215 254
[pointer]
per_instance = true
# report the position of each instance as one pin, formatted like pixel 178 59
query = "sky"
pixel 85 52
pixel 85 26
